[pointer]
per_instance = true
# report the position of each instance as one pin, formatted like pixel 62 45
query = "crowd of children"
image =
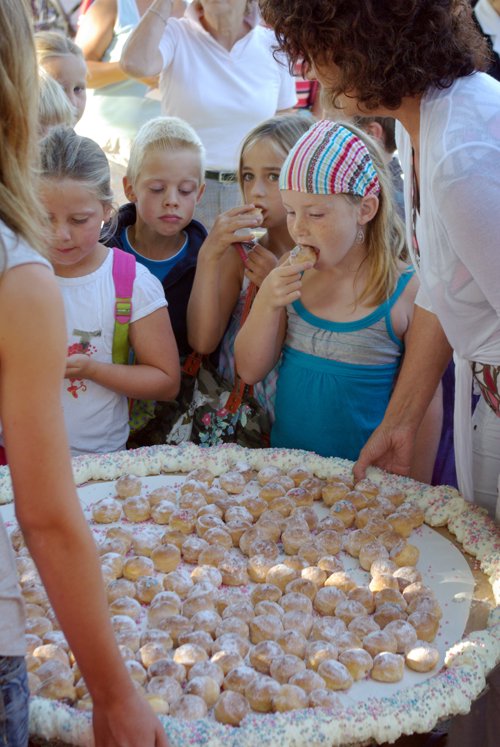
pixel 341 315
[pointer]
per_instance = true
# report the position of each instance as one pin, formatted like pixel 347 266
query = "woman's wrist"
pixel 162 10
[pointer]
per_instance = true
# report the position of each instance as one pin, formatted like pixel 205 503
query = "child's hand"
pixel 260 263
pixel 78 366
pixel 283 285
pixel 221 235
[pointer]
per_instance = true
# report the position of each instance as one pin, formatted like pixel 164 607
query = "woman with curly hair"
pixel 418 61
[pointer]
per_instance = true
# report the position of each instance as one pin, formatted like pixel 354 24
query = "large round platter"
pixel 368 711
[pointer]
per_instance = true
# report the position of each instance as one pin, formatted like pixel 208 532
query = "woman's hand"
pixel 390 447
pixel 259 264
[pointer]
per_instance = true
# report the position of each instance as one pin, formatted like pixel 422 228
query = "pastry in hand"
pixel 301 254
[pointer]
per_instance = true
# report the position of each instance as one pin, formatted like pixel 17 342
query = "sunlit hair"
pixel 385 233
pixel 54 44
pixel 66 155
pixel 282 131
pixel 20 208
pixel 163 134
pixel 383 50
pixel 54 107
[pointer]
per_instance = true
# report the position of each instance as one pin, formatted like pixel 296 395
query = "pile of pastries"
pixel 232 594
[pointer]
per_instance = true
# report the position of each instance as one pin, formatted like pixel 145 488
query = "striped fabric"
pixel 329 159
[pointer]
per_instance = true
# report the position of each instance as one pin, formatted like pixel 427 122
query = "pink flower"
pixel 206 419
pixel 222 412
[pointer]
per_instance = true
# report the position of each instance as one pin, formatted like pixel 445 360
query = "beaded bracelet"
pixel 156 13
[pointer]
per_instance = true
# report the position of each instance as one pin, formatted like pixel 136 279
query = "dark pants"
pixel 14 698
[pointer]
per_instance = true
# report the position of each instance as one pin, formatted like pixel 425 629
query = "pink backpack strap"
pixel 124 269
pixel 242 249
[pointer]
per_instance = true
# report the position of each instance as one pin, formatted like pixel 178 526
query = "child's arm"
pixel 218 279
pixel 258 344
pixel 157 372
pixel 95 33
pixel 32 359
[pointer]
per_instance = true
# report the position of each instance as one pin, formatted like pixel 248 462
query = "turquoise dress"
pixel 336 379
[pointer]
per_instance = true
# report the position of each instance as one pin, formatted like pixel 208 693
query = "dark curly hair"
pixel 384 49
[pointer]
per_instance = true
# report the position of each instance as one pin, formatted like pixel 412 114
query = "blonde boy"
pixel 163 183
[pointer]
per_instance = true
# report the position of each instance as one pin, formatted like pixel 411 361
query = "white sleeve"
pixel 148 294
pixel 468 206
pixel 423 300
pixel 168 41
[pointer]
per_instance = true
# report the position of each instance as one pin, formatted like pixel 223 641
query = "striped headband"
pixel 329 159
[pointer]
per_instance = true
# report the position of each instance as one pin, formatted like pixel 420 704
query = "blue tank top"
pixel 336 379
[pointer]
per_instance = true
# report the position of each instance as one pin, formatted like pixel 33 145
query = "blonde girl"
pixel 75 189
pixel 54 107
pixel 340 319
pixel 63 60
pixel 225 267
pixel 32 360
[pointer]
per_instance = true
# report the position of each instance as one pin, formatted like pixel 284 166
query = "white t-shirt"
pixel 13 252
pixel 97 418
pixel 222 94
pixel 458 230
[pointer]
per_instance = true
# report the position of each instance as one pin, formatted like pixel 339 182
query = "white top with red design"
pixel 97 418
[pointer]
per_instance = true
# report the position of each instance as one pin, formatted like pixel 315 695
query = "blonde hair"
pixel 163 134
pixel 54 107
pixel 66 155
pixel 385 235
pixel 20 208
pixel 283 131
pixel 54 44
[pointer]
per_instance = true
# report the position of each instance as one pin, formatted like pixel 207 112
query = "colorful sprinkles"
pixel 383 719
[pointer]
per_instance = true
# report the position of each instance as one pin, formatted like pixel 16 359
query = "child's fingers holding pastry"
pixel 232 226
pixel 303 254
pixel 282 286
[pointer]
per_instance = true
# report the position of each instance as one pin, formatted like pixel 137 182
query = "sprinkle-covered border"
pixel 414 710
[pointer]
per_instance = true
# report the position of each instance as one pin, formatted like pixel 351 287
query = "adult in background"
pixel 220 74
pixel 416 60
pixel 117 105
